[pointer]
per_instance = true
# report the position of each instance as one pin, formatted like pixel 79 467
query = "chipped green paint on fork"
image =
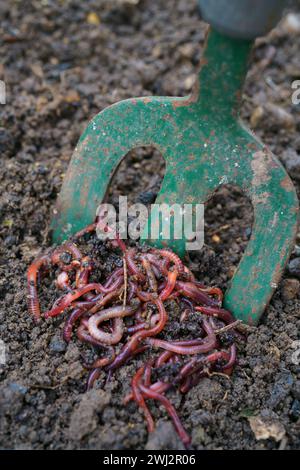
pixel 205 145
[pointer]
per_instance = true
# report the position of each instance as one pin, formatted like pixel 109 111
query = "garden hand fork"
pixel 205 145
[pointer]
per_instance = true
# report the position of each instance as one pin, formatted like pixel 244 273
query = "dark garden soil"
pixel 62 65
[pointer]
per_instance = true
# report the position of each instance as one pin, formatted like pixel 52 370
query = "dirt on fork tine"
pixel 78 68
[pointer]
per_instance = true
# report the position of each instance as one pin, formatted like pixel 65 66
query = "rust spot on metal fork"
pixel 287 184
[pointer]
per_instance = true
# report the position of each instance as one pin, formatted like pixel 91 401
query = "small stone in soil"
pixel 291 161
pixel 295 410
pixel 294 267
pixel 57 345
pixel 296 390
pixel 10 240
pixel 283 384
pixel 147 197
pixel 18 388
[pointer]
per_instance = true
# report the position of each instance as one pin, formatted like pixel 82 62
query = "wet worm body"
pixel 203 346
pixel 168 289
pixel 114 313
pixel 32 274
pixel 131 311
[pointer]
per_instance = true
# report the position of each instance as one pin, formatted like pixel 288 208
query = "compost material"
pixel 141 291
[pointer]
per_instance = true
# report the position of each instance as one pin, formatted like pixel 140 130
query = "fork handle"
pixel 245 19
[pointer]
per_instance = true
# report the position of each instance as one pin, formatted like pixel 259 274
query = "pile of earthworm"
pixel 126 316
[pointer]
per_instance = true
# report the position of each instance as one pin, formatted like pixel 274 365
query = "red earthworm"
pixel 189 273
pixel 174 295
pixel 213 291
pixel 190 342
pixel 93 376
pixel 114 285
pixel 188 303
pixel 118 281
pixel 163 358
pixel 188 289
pixel 116 273
pixel 146 324
pixel 132 267
pixel 140 350
pixel 160 387
pixel 166 264
pixel 73 266
pixel 134 341
pixel 199 284
pixel 212 323
pixel 147 373
pixel 118 242
pixel 105 300
pixel 216 356
pixel 162 284
pixel 121 244
pixel 89 228
pixel 158 327
pixel 131 290
pixel 190 309
pixel 139 316
pixel 63 281
pixel 156 271
pixel 191 381
pixel 189 368
pixel 144 296
pixel 154 319
pixel 206 345
pixel 71 296
pixel 137 395
pixel 85 337
pixel 220 313
pixel 170 410
pixel 137 327
pixel 116 314
pixel 166 355
pixel 102 361
pixel 165 293
pixel 68 247
pixel 33 270
pixel 106 228
pixel 185 386
pixel 137 351
pixel 196 363
pixel 184 315
pixel 150 275
pixel 59 300
pixel 83 273
pixel 89 303
pixel 209 330
pixel 160 266
pixel 75 315
pixel 187 342
pixel 231 359
pixel 173 258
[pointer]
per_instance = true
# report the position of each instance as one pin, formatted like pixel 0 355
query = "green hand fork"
pixel 205 145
